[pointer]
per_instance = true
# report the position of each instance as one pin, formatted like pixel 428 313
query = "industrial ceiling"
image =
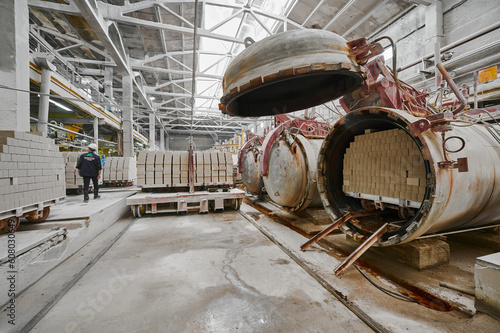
pixel 153 40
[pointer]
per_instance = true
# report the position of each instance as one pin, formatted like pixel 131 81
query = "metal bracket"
pixel 461 164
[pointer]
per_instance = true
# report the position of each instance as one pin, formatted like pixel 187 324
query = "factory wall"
pixel 180 142
pixel 460 19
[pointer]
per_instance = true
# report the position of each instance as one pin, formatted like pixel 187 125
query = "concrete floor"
pixel 197 273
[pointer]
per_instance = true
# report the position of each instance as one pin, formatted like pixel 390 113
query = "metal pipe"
pixel 193 82
pixel 73 132
pixel 453 86
pixel 96 131
pixel 361 249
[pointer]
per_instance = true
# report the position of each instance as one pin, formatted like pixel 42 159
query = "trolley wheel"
pixel 8 224
pixel 79 190
pixel 368 206
pixel 38 216
pixel 132 210
pixel 138 210
pixel 236 204
pixel 406 213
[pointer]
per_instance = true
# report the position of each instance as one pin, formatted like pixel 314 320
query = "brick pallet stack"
pixel 73 180
pixel 386 163
pixel 31 170
pixel 171 169
pixel 119 170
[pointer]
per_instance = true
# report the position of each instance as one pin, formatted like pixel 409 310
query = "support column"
pixel 44 61
pixel 434 34
pixel 43 107
pixel 162 139
pixel 128 133
pixel 14 65
pixel 96 131
pixel 152 131
pixel 108 82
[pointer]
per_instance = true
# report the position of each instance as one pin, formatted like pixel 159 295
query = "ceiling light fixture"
pixel 60 105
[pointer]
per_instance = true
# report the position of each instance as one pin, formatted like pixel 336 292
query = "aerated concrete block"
pixel 420 253
pixel 487 282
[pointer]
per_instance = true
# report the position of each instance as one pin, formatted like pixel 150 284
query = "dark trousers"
pixel 86 183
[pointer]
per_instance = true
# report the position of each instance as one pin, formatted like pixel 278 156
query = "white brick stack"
pixel 386 163
pixel 31 170
pixel 171 169
pixel 73 180
pixel 119 170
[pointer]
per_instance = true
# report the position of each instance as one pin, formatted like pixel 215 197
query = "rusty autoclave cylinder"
pixel 288 168
pixel 433 195
pixel 249 165
pixel 443 187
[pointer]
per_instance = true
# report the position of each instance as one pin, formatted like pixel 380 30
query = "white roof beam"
pixel 74 40
pixel 174 71
pixel 52 6
pixel 339 13
pixel 176 15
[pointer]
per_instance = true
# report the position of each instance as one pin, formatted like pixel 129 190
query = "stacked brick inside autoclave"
pixel 386 163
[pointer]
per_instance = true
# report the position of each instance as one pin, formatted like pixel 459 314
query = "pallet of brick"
pixel 108 170
pixel 105 169
pixel 167 169
pixel 207 168
pixel 229 168
pixel 113 167
pixel 176 169
pixel 150 169
pixel 129 170
pixel 120 170
pixel 32 172
pixel 386 163
pixel 141 168
pixel 70 171
pixel 214 167
pixel 198 168
pixel 221 159
pixel 184 167
pixel 159 156
pixel 73 180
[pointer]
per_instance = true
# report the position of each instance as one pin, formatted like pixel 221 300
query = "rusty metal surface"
pixel 289 71
pixel 291 177
pixel 326 231
pixel 250 169
pixel 454 200
pixel 361 249
pixel 307 128
pixel 382 89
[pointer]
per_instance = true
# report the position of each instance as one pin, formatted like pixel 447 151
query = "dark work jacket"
pixel 89 165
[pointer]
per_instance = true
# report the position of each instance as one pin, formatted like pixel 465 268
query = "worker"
pixel 89 167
